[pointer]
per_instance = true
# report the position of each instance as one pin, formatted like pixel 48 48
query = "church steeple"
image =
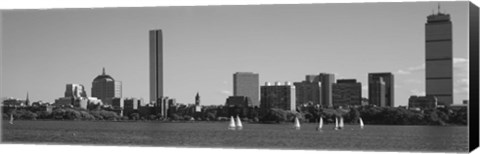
pixel 103 71
pixel 197 99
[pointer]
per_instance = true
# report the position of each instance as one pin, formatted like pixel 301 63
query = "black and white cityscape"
pixel 306 76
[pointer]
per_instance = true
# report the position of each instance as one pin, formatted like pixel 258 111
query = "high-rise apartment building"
pixel 381 89
pixel 438 58
pixel 327 81
pixel 377 92
pixel 105 88
pixel 308 91
pixel 347 92
pixel 247 84
pixel 156 65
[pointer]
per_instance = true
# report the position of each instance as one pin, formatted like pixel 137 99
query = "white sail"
pixel 11 119
pixel 239 123
pixel 320 124
pixel 297 123
pixel 336 123
pixel 341 122
pixel 232 124
pixel 361 123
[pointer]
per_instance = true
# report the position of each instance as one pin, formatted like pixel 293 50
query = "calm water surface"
pixel 215 134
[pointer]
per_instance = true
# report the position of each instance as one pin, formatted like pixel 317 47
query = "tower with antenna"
pixel 439 58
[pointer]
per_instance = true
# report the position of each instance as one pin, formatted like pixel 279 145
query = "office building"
pixel 422 102
pixel 162 105
pixel 105 88
pixel 381 89
pixel 281 96
pixel 75 90
pixel 246 84
pixel 377 91
pixel 131 105
pixel 74 96
pixel 438 58
pixel 347 93
pixel 156 65
pixel 308 91
pixel 327 81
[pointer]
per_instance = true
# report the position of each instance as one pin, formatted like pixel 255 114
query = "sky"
pixel 43 50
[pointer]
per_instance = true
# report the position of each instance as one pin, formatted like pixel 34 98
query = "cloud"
pixel 417 92
pixel 460 60
pixel 459 64
pixel 413 81
pixel 412 69
pixel 402 72
pixel 460 76
pixel 226 92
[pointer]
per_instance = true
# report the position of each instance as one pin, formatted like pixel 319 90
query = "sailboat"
pixel 361 123
pixel 232 124
pixel 336 124
pixel 239 123
pixel 341 123
pixel 297 124
pixel 320 124
pixel 11 119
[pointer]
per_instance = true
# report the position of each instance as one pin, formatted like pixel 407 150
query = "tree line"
pixel 312 114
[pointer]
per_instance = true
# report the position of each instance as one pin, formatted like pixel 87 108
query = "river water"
pixel 258 136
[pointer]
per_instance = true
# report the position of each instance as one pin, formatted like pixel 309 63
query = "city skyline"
pixel 203 71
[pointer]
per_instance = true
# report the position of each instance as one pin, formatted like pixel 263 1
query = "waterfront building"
pixel 74 95
pixel 161 107
pixel 327 81
pixel 131 105
pixel 238 105
pixel 118 105
pixel 75 91
pixel 422 102
pixel 104 87
pixel 347 93
pixel 156 64
pixel 308 91
pixel 247 84
pixel 281 96
pixel 381 89
pixel 438 58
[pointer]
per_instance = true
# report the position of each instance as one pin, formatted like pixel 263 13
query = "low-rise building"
pixel 238 105
pixel 422 102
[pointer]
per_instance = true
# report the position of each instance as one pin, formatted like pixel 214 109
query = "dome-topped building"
pixel 104 87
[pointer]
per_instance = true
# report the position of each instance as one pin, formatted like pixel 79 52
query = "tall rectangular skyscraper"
pixel 247 84
pixel 377 92
pixel 438 58
pixel 156 65
pixel 327 81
